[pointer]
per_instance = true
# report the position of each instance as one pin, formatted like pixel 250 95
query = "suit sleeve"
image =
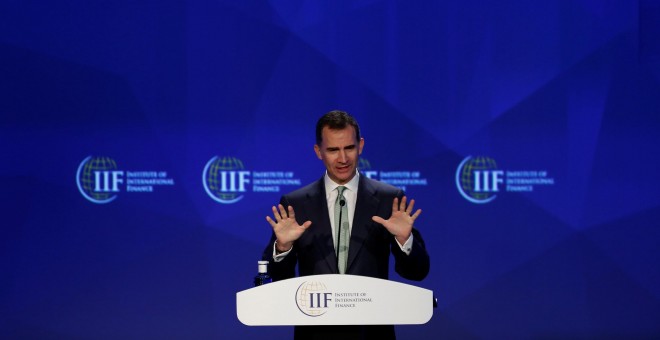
pixel 417 264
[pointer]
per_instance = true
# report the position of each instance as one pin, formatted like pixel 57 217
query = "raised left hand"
pixel 401 222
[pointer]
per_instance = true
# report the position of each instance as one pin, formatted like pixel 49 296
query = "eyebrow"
pixel 336 148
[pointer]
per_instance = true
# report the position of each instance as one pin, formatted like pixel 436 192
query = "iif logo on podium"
pixel 313 298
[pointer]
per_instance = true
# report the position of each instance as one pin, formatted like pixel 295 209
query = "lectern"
pixel 334 300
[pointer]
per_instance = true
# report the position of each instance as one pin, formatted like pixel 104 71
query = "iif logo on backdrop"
pixel 100 180
pixel 479 180
pixel 227 181
pixel 400 178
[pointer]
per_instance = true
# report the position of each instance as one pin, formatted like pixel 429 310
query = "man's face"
pixel 339 151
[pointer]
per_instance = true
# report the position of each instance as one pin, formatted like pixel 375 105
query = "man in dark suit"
pixel 376 220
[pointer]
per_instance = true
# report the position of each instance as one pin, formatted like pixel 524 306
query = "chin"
pixel 343 177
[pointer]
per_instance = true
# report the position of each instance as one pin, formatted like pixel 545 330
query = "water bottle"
pixel 262 277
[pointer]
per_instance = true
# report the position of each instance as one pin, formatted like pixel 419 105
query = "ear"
pixel 360 146
pixel 317 149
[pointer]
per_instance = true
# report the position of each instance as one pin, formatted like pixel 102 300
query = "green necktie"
pixel 343 234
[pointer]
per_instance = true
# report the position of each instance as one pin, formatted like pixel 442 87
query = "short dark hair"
pixel 336 120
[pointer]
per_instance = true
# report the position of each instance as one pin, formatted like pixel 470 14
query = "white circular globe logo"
pixel 305 298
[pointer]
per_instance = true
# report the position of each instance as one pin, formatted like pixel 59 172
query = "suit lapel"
pixel 365 207
pixel 323 229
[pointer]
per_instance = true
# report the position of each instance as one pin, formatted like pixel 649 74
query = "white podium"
pixel 334 300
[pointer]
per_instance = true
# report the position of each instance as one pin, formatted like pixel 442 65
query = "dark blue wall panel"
pixel 558 99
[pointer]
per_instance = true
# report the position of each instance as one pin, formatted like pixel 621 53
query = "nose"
pixel 342 156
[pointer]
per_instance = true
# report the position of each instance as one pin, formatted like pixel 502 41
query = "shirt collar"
pixel 330 185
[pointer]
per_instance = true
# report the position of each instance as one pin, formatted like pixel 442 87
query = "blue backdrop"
pixel 143 143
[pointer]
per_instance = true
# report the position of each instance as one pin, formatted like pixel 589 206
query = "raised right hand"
pixel 285 227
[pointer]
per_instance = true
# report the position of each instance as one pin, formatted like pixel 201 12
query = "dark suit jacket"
pixel 369 248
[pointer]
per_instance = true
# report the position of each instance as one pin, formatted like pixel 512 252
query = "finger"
pixel 276 214
pixel 306 224
pixel 409 208
pixel 282 211
pixel 402 206
pixel 378 219
pixel 271 222
pixel 414 216
pixel 292 214
pixel 395 204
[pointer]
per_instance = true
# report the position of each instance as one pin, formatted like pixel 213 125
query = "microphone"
pixel 342 203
